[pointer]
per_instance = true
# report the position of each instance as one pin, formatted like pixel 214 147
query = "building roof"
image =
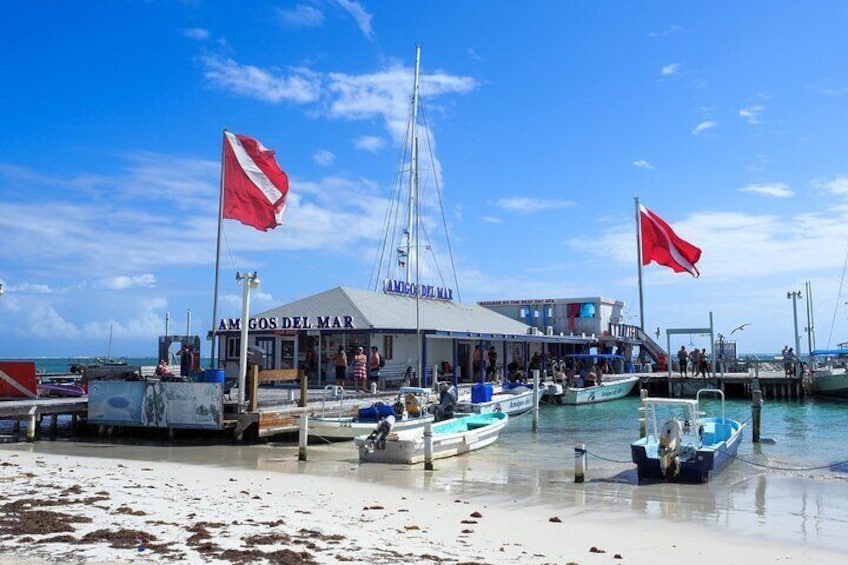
pixel 376 311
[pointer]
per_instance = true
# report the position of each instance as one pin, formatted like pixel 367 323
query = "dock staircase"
pixel 651 348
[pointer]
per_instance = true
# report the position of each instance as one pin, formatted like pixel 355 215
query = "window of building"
pixel 388 347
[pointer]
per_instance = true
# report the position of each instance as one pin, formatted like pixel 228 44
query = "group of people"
pixel 363 366
pixel 789 359
pixel 697 359
pixel 484 362
pixel 187 364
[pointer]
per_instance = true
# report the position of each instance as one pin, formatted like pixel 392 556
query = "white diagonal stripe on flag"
pixel 252 170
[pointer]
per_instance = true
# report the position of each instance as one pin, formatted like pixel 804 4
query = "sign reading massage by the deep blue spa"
pixel 391 286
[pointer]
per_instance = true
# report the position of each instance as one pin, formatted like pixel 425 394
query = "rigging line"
pixel 382 257
pixel 838 298
pixel 429 246
pixel 441 205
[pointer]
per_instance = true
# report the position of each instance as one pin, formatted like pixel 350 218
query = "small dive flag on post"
pixel 254 186
pixel 661 245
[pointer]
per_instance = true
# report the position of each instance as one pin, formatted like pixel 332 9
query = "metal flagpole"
pixel 212 363
pixel 639 263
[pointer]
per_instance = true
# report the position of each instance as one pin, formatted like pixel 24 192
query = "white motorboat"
pixel 410 410
pixel 510 400
pixel 829 372
pixel 449 438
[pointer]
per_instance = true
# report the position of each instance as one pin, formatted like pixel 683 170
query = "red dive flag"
pixel 662 245
pixel 255 187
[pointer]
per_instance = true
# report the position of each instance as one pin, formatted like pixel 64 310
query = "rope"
pixel 777 468
pixel 580 452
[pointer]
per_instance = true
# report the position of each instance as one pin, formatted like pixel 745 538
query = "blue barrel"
pixel 481 392
pixel 213 376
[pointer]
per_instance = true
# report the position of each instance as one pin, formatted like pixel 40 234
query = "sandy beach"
pixel 65 508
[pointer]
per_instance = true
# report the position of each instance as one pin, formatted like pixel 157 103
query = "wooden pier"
pixel 35 409
pixel 772 385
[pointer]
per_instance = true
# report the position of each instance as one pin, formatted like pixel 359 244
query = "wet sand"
pixel 259 504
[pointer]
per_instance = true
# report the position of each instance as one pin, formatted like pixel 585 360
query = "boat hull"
pixel 340 429
pixel 450 438
pixel 830 385
pixel 511 404
pixel 604 392
pixel 705 461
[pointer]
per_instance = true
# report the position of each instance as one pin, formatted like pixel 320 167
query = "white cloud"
pixel 642 164
pixel 671 69
pixel 837 185
pixel 775 190
pixel 491 220
pixel 300 86
pixel 752 114
pixel 369 143
pixel 474 56
pixel 123 282
pixel 301 16
pixel 672 29
pixel 524 205
pixel 363 18
pixel 197 33
pixel 324 158
pixel 760 163
pixel 704 126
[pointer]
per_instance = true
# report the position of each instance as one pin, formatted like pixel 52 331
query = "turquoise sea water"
pixel 794 488
pixel 63 364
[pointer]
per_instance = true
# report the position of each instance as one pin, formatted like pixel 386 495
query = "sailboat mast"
pixel 415 207
pixel 412 211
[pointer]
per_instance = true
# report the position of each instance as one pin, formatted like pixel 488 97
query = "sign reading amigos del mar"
pixel 290 323
pixel 391 286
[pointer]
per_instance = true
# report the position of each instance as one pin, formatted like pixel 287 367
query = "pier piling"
pixel 428 447
pixel 303 437
pixel 756 412
pixel 579 462
pixel 535 399
pixel 32 428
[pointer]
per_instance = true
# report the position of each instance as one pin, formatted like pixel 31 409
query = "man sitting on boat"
pixel 163 370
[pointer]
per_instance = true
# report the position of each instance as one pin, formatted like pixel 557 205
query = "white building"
pixel 405 328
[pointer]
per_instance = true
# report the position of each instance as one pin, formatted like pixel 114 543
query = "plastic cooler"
pixel 213 376
pixel 481 392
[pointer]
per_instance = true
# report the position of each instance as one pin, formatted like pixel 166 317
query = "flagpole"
pixel 212 363
pixel 639 263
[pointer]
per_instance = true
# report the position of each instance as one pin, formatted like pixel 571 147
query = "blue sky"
pixel 546 120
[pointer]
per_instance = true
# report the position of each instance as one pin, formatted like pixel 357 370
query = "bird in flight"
pixel 739 329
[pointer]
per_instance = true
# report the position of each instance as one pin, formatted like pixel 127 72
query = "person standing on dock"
pixel 695 361
pixel 360 370
pixel 789 362
pixel 704 363
pixel 186 359
pixel 682 359
pixel 374 365
pixel 341 366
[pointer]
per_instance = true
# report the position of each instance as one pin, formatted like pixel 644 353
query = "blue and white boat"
pixel 682 444
pixel 513 400
pixel 828 370
pixel 451 437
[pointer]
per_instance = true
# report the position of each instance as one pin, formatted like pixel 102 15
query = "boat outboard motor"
pixel 377 438
pixel 669 448
pixel 447 403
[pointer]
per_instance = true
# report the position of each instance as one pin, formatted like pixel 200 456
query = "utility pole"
pixel 795 295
